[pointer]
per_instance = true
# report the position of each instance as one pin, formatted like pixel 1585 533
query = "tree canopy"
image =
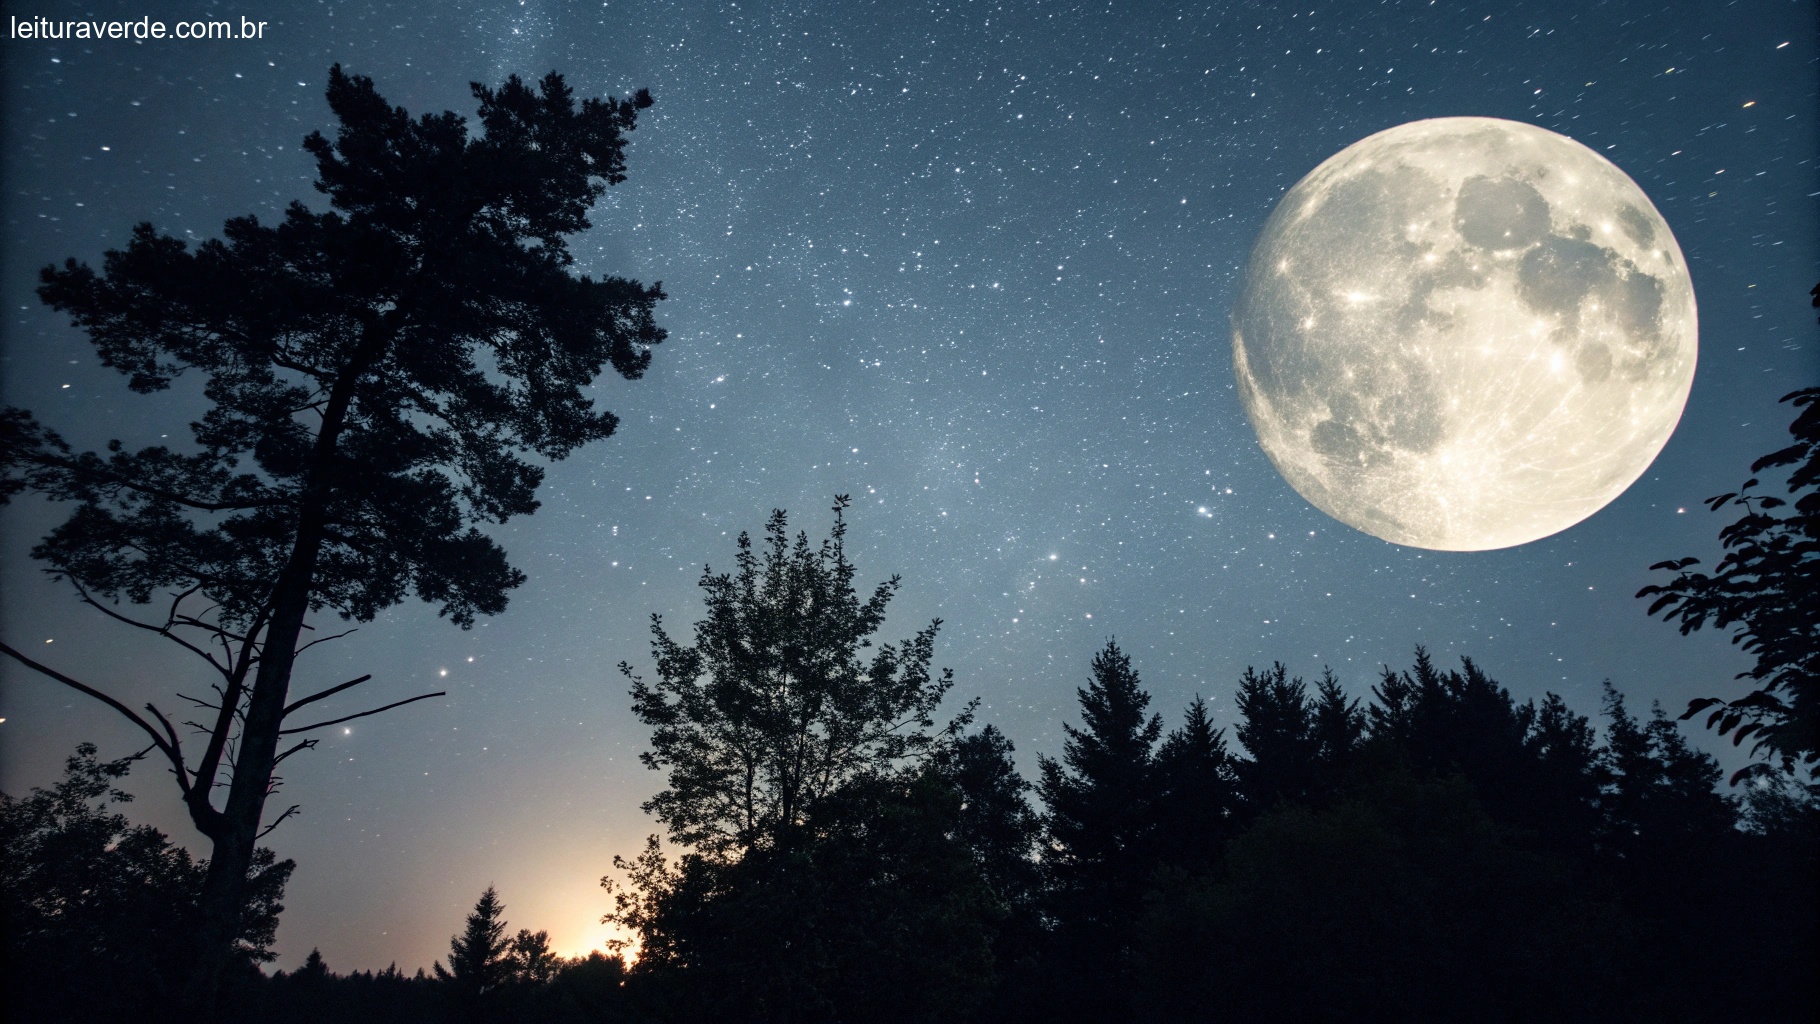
pixel 783 698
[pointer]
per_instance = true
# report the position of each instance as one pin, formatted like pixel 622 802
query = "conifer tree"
pixel 1276 727
pixel 1560 793
pixel 1100 795
pixel 1197 791
pixel 315 969
pixel 1101 798
pixel 1338 724
pixel 1660 793
pixel 480 956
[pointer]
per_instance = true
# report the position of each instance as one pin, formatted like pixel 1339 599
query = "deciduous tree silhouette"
pixel 532 961
pixel 379 375
pixel 1766 589
pixel 827 875
pixel 996 821
pixel 778 705
pixel 94 910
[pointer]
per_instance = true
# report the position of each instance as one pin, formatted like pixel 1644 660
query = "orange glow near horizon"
pixel 578 939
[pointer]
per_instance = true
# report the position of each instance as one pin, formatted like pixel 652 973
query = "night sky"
pixel 970 263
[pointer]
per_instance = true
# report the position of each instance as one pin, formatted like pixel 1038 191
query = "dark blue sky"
pixel 970 263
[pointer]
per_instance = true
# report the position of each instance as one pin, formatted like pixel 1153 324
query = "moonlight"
pixel 1464 334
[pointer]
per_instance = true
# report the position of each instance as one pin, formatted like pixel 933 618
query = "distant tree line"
pixel 1438 851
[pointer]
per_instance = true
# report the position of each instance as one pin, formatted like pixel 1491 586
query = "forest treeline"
pixel 1430 850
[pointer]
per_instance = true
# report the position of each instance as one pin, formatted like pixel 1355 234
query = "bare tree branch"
pixel 164 630
pixel 363 714
pixel 268 829
pixel 215 628
pixel 170 734
pixel 325 639
pixel 331 691
pixel 199 702
pixel 170 751
pixel 304 745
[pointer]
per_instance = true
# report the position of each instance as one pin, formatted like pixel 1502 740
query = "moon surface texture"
pixel 1464 333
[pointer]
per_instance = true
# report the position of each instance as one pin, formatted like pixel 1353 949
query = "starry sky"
pixel 968 262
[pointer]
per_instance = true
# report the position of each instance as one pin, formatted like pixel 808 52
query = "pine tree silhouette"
pixel 479 957
pixel 1197 791
pixel 1101 798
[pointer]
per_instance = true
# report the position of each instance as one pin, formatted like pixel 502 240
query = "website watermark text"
pixel 144 28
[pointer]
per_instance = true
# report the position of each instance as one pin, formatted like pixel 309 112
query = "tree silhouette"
pixel 1400 900
pixel 378 376
pixel 480 957
pixel 777 706
pixel 1767 590
pixel 1101 798
pixel 1659 792
pixel 1276 727
pixel 95 910
pixel 996 821
pixel 530 958
pixel 826 877
pixel 1532 766
pixel 1197 791
pixel 1338 724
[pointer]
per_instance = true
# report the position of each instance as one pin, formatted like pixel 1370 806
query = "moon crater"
pixel 1464 334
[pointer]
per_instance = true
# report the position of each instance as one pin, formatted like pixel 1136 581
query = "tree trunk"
pixel 224 889
pixel 223 899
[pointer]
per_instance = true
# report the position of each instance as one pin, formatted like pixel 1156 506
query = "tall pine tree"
pixel 1101 797
pixel 1198 791
pixel 382 375
pixel 480 958
pixel 1276 727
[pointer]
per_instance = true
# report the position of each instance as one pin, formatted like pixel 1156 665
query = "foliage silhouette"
pixel 379 376
pixel 1398 902
pixel 1276 728
pixel 882 916
pixel 1767 590
pixel 834 869
pixel 1197 792
pixel 996 822
pixel 480 958
pixel 95 911
pixel 776 707
pixel 583 990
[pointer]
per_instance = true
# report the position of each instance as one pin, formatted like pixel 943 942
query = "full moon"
pixel 1464 334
